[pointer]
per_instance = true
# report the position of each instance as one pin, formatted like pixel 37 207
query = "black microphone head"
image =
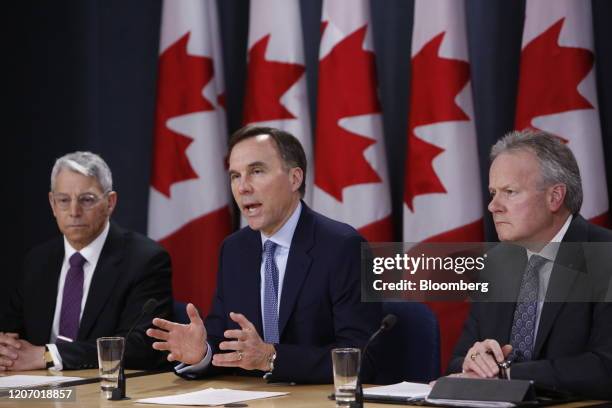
pixel 388 322
pixel 149 306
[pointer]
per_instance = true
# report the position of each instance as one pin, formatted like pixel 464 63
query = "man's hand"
pixel 185 342
pixel 250 351
pixel 9 346
pixel 483 357
pixel 19 355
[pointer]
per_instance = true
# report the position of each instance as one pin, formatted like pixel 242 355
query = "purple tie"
pixel 71 301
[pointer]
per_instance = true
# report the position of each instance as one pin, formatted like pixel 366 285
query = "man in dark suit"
pixel 547 325
pixel 90 283
pixel 288 287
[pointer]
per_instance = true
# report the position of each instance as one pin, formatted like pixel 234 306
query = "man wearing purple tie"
pixel 90 283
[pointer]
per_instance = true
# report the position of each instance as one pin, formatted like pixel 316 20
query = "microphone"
pixel 387 324
pixel 147 308
pixel 119 392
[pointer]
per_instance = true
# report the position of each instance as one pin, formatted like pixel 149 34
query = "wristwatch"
pixel 48 358
pixel 270 365
pixel 504 369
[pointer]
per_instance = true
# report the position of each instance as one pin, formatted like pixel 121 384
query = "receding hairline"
pixel 260 138
pixel 527 150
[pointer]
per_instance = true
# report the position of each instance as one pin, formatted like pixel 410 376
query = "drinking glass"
pixel 110 356
pixel 346 369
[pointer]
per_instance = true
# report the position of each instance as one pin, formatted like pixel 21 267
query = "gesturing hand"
pixel 185 342
pixel 250 351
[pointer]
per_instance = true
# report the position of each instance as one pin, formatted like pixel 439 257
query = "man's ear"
pixel 296 177
pixel 556 196
pixel 51 203
pixel 112 202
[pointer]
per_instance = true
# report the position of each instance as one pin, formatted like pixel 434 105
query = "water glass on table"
pixel 110 357
pixel 346 368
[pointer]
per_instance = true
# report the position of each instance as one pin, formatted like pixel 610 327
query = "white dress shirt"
pixel 282 238
pixel 91 253
pixel 550 253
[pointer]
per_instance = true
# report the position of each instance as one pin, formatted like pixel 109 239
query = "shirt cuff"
pixel 198 367
pixel 57 358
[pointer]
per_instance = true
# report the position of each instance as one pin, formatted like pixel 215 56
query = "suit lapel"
pixel 298 265
pixel 104 279
pixel 508 274
pixel 569 263
pixel 250 257
pixel 47 298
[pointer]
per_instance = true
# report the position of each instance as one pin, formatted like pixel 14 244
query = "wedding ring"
pixel 239 355
pixel 473 356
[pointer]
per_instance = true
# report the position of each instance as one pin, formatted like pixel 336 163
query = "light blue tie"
pixel 522 337
pixel 270 311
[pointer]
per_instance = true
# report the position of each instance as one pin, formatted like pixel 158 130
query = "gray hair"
pixel 557 162
pixel 86 163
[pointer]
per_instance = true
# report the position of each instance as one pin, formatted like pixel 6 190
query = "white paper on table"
pixel 402 390
pixel 21 381
pixel 210 397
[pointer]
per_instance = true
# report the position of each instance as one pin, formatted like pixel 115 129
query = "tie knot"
pixel 77 260
pixel 270 247
pixel 536 262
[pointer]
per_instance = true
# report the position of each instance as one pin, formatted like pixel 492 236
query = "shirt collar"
pixel 550 250
pixel 91 252
pixel 284 235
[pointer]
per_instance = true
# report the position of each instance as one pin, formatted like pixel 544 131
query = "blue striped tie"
pixel 270 311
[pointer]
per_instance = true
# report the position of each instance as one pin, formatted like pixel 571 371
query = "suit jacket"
pixel 131 269
pixel 573 346
pixel 320 306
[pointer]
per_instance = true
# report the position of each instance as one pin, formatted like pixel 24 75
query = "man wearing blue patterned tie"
pixel 551 332
pixel 91 282
pixel 288 287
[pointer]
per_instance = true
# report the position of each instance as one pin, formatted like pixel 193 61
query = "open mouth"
pixel 251 209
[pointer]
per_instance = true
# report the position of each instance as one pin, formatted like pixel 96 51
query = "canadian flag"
pixel 557 90
pixel 189 196
pixel 442 195
pixel 351 177
pixel 276 92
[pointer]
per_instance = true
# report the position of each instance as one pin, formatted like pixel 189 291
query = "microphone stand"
pixel 387 323
pixel 119 392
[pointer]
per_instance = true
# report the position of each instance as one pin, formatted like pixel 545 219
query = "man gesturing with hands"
pixel 288 285
pixel 184 341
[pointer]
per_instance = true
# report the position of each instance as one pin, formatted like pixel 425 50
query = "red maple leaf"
pixel 435 84
pixel 347 87
pixel 181 78
pixel 267 82
pixel 549 77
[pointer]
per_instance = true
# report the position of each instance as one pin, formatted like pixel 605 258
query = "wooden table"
pixel 160 384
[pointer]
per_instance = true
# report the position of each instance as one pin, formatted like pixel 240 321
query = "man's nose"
pixel 244 186
pixel 494 205
pixel 75 208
